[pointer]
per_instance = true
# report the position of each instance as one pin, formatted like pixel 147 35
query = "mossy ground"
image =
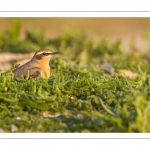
pixel 86 91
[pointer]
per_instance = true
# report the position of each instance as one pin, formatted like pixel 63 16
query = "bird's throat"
pixel 44 66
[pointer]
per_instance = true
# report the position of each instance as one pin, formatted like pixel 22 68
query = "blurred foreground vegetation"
pixel 95 86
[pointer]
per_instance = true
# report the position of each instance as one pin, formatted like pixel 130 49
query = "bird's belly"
pixel 45 72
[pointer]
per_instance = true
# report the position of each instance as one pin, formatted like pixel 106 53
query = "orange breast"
pixel 45 68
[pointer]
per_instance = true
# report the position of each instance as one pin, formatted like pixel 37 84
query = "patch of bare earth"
pixel 6 59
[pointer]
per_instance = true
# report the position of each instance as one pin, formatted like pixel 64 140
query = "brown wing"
pixel 33 72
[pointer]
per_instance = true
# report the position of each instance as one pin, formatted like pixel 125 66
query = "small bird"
pixel 37 66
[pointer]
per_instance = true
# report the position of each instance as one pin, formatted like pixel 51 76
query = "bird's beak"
pixel 53 53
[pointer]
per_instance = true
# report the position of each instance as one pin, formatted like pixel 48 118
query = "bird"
pixel 37 66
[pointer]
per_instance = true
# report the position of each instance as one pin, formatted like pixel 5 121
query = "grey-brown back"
pixel 27 68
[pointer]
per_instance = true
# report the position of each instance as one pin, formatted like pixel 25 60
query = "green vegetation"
pixel 86 91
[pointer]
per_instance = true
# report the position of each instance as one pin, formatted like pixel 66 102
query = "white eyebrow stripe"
pixel 39 53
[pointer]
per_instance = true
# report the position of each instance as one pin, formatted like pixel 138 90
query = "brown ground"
pixel 7 58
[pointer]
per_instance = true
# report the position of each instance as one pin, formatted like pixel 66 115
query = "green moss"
pixel 83 94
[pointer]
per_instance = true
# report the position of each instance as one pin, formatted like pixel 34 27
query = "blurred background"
pixel 124 28
pixel 22 35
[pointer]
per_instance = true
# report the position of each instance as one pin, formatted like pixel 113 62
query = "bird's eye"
pixel 44 53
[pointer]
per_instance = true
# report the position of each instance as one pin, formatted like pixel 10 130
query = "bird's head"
pixel 43 55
